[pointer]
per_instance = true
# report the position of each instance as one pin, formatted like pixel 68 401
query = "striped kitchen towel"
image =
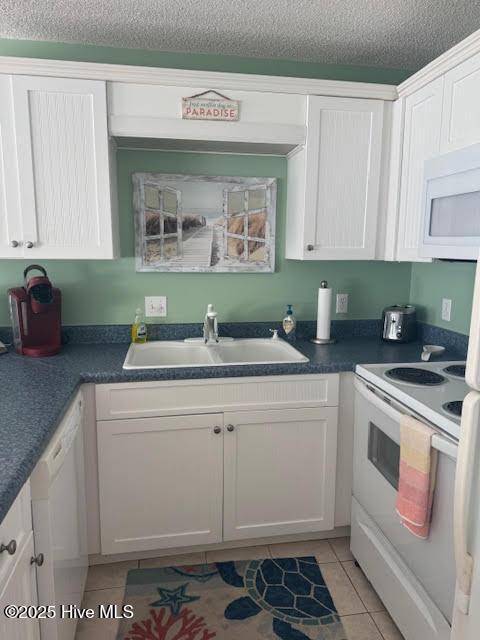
pixel 418 467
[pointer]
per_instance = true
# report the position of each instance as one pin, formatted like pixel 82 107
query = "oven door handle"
pixel 441 444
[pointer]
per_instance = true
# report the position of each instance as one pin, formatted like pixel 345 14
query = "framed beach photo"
pixel 204 223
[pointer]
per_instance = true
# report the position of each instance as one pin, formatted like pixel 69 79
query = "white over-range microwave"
pixel 451 196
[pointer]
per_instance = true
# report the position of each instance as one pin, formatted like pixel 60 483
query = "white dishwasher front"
pixel 59 523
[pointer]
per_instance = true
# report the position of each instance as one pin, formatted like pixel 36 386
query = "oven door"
pixel 375 483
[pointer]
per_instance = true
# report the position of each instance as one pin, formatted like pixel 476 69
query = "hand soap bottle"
pixel 289 323
pixel 139 328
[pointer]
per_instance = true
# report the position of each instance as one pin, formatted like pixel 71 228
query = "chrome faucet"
pixel 210 325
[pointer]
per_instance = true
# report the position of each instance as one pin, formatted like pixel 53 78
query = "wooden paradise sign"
pixel 210 105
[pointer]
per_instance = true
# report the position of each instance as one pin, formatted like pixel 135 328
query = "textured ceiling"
pixel 387 33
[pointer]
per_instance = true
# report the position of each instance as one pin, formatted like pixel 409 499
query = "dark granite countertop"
pixel 35 392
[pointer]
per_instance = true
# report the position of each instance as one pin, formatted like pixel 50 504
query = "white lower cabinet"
pixel 20 589
pixel 161 482
pixel 18 584
pixel 279 472
pixel 199 479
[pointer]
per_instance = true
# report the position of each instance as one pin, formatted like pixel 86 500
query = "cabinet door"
pixel 461 115
pixel 423 115
pixel 343 154
pixel 64 167
pixel 20 589
pixel 279 472
pixel 160 482
pixel 10 225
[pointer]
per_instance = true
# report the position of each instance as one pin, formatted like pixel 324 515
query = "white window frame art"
pixel 214 233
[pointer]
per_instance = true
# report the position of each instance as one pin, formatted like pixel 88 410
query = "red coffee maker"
pixel 35 310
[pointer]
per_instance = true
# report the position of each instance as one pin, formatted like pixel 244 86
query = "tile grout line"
pixel 353 587
pixel 358 593
pixel 376 626
pixel 105 588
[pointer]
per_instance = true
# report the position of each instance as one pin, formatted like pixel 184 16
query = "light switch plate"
pixel 155 306
pixel 342 303
pixel 446 309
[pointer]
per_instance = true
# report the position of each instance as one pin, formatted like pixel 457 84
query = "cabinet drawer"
pixel 177 397
pixel 16 526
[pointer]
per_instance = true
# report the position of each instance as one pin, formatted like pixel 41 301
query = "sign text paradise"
pixel 209 109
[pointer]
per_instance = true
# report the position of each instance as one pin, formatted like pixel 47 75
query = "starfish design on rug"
pixel 173 598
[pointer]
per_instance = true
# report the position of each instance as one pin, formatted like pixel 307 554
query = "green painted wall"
pixel 204 62
pixel 430 282
pixel 108 292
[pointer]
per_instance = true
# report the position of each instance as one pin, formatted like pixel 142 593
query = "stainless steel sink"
pixel 194 353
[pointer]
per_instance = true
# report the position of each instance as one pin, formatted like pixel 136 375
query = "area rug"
pixel 284 598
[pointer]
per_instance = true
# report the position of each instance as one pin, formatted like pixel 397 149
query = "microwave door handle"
pixel 463 482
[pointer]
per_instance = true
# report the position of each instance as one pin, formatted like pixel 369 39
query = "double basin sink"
pixel 194 352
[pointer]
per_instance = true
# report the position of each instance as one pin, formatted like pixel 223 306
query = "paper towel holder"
pixel 323 285
pixel 320 341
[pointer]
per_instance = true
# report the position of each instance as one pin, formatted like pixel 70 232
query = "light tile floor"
pixel 362 612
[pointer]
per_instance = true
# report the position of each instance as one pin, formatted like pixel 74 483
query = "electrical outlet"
pixel 342 303
pixel 446 309
pixel 155 306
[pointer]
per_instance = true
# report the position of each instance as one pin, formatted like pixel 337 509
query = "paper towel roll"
pixel 324 312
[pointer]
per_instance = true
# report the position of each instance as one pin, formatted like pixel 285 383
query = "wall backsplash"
pixel 433 281
pixel 104 292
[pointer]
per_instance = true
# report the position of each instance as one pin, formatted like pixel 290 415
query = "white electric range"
pixel 433 390
pixel 415 577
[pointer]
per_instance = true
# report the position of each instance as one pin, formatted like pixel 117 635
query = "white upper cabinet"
pixel 10 223
pixel 461 113
pixel 421 140
pixel 334 181
pixel 63 156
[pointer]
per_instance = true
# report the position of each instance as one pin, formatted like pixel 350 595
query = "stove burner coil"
pixel 456 370
pixel 454 408
pixel 416 376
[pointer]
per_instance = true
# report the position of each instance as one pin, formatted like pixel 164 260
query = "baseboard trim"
pixel 337 532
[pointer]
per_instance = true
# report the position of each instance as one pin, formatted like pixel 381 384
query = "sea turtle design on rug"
pixel 292 590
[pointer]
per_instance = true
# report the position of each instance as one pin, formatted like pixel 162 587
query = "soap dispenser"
pixel 289 323
pixel 139 328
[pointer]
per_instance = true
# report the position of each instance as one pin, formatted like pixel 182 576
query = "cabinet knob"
pixel 230 428
pixel 10 548
pixel 29 244
pixel 38 560
pixel 310 247
pixel 217 430
pixel 14 244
